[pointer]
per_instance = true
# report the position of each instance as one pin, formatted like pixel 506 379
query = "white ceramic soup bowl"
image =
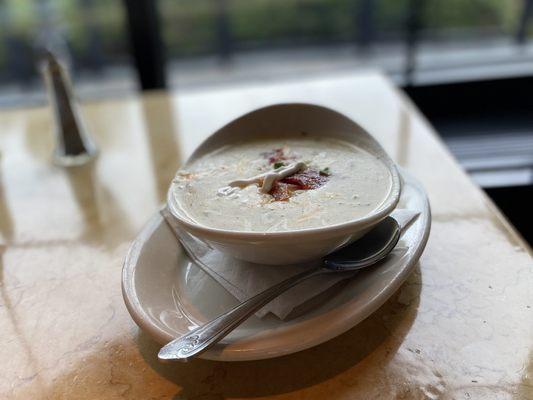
pixel 295 246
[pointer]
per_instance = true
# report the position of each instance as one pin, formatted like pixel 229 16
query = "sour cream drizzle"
pixel 266 180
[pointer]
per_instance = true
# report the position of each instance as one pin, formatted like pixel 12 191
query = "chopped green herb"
pixel 278 165
pixel 325 172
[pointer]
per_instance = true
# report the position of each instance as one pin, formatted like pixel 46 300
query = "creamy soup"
pixel 280 185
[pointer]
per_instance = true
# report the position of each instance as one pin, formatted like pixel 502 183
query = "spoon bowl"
pixel 368 250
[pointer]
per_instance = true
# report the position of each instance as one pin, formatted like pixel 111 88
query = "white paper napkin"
pixel 244 279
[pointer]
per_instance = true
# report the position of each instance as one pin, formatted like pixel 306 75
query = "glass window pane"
pixel 90 34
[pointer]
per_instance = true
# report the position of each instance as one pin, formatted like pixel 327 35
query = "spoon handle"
pixel 205 336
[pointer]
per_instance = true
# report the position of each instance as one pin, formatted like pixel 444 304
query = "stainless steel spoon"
pixel 374 246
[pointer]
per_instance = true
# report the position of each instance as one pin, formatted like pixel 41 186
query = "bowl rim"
pixel 352 225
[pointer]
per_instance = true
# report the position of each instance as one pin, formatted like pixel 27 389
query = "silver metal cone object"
pixel 74 146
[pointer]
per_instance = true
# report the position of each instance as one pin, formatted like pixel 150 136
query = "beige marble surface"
pixel 460 328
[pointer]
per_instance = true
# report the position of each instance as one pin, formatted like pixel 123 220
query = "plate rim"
pixel 338 324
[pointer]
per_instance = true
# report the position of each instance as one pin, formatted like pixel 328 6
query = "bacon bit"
pixel 280 191
pixel 277 155
pixel 306 180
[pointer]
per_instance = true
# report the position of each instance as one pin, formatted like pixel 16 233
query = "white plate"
pixel 158 291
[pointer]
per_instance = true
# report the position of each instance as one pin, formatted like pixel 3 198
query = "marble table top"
pixel 461 327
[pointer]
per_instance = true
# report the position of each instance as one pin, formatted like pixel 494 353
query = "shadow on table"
pixel 384 330
pixel 524 388
pixel 9 309
pixel 7 228
pixel 163 143
pixel 104 219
